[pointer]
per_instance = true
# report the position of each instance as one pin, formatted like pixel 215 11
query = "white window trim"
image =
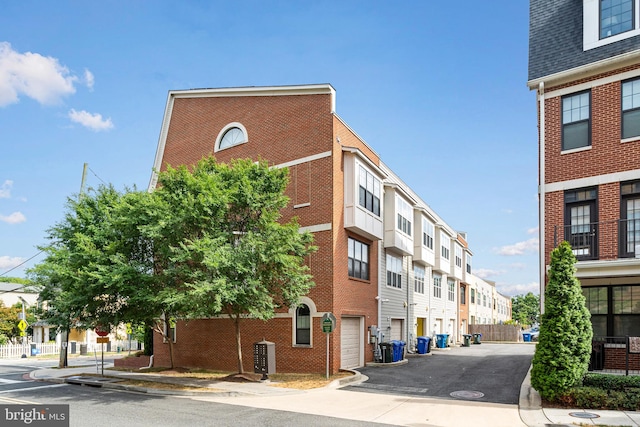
pixel 591 24
pixel 313 312
pixel 217 148
pixel 395 267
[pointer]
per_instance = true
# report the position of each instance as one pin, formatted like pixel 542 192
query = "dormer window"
pixel 608 21
pixel 616 16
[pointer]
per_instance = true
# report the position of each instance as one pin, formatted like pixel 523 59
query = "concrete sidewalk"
pixel 369 407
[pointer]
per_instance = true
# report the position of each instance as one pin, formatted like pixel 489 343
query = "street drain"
pixel 584 415
pixel 466 394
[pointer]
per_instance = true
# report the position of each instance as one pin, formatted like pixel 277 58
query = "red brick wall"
pixel 607 153
pixel 211 344
pixel 280 129
pixel 351 297
pixel 615 358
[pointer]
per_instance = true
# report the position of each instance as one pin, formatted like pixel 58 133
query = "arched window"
pixel 232 134
pixel 303 325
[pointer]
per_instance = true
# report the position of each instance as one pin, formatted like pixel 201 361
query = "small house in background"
pixel 10 293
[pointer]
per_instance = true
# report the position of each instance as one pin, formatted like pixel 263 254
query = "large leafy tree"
pixel 207 241
pixel 564 348
pixel 526 308
pixel 251 264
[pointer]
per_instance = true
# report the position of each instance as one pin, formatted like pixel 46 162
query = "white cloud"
pixel 7 262
pixel 33 75
pixel 485 273
pixel 507 211
pixel 94 122
pixel 533 230
pixel 518 289
pixel 89 80
pixel 14 218
pixel 5 189
pixel 520 248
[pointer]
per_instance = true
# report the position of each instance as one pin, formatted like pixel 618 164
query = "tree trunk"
pixel 239 344
pixel 64 342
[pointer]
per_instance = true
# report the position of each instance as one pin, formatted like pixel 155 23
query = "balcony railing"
pixel 601 240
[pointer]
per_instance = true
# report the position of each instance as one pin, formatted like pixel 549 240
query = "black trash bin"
pixel 386 351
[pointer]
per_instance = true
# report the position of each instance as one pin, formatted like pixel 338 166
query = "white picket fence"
pixel 11 351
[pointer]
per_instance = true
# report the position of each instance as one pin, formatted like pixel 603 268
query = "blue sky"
pixel 437 89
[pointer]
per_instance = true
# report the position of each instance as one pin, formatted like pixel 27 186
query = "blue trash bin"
pixel 395 350
pixel 422 345
pixel 526 337
pixel 441 340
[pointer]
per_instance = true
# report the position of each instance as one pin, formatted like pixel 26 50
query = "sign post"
pixel 328 325
pixel 102 334
pixel 22 325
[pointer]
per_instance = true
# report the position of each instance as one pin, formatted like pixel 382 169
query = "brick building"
pixel 381 251
pixel 584 64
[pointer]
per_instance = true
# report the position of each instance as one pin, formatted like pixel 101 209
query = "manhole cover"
pixel 584 415
pixel 466 394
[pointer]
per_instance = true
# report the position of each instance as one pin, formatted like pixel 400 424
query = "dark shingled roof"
pixel 555 39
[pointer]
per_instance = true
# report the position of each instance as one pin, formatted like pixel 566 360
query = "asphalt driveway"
pixel 484 372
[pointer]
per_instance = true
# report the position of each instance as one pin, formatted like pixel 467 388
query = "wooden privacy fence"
pixel 496 332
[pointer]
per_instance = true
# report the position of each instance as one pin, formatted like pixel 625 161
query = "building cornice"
pixel 586 70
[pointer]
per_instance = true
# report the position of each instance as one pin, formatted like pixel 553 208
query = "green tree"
pixel 562 355
pixel 250 265
pixel 107 263
pixel 526 308
pixel 207 241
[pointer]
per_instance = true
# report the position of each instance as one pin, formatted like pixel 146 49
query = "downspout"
pixel 380 290
pixel 541 194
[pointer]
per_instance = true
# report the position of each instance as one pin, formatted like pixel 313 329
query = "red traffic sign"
pixel 100 331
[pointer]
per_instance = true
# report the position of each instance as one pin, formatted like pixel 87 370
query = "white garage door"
pixel 396 329
pixel 350 342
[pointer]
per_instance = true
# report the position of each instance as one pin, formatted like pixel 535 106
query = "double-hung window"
pixel 630 108
pixel 437 286
pixel 303 325
pixel 369 191
pixel 458 256
pixel 616 16
pixel 576 120
pixel 428 231
pixel 445 246
pixel 418 279
pixel 451 295
pixel 468 263
pixel 405 212
pixel 394 271
pixel 358 259
pixel 473 296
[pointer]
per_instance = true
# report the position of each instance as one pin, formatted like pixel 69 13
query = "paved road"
pixel 494 370
pixel 96 407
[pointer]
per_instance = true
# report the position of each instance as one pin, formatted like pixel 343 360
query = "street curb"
pixel 530 404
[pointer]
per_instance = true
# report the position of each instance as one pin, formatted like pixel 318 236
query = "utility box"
pixel 264 358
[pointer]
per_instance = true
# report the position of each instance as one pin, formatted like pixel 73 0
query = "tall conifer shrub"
pixel 564 346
